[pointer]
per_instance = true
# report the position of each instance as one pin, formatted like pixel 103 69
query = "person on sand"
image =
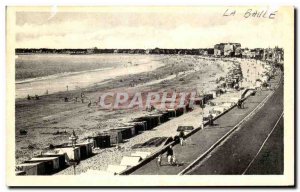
pixel 170 155
pixel 181 137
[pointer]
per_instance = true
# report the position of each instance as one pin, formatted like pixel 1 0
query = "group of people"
pixel 171 158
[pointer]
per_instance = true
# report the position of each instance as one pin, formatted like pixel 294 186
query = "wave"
pixel 59 75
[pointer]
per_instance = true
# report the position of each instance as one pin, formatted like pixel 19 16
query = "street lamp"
pixel 202 112
pixel 73 138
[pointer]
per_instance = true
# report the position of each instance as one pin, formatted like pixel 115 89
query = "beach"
pixel 43 118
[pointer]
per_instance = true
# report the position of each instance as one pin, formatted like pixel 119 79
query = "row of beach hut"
pixel 55 160
pixel 60 157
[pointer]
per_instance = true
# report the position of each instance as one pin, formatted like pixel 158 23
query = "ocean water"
pixel 38 74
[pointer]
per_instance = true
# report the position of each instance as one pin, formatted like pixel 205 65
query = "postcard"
pixel 150 96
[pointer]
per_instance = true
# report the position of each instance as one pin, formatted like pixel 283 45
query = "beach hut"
pixel 198 101
pixel 179 111
pixel 171 113
pixel 207 97
pixel 85 149
pixel 72 153
pixel 215 93
pixel 32 168
pixel 218 109
pixel 130 160
pixel 140 126
pixel 115 136
pixel 142 154
pixel 61 158
pixel 185 128
pixel 152 121
pixel 102 141
pixel 133 127
pixel 156 118
pixel 125 131
pixel 165 117
pixel 116 169
pixel 54 161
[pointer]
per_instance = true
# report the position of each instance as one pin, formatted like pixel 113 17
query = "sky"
pixel 135 27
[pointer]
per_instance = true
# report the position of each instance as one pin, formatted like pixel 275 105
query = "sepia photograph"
pixel 150 96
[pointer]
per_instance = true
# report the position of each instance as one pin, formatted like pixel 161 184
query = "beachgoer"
pixel 159 160
pixel 242 104
pixel 174 161
pixel 211 121
pixel 181 137
pixel 239 103
pixel 28 97
pixel 170 155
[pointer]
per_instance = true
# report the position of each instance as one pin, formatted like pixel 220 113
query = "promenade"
pixel 202 141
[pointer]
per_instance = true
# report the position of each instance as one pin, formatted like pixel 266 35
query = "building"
pixel 227 49
pixel 274 55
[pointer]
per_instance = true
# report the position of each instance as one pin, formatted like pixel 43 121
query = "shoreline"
pixel 96 120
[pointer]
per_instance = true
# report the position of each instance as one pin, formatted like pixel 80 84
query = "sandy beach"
pixel 43 118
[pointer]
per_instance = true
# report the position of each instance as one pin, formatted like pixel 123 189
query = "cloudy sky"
pixel 146 28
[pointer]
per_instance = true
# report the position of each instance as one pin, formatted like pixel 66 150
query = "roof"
pixel 116 168
pixel 43 158
pixel 28 164
pixel 130 160
pixel 185 128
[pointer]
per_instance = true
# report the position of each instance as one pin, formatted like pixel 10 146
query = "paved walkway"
pixel 242 153
pixel 202 140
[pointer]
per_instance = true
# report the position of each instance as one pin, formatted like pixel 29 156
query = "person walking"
pixel 181 137
pixel 170 155
pixel 159 161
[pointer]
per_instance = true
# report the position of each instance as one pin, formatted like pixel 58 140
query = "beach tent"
pixel 116 168
pixel 130 160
